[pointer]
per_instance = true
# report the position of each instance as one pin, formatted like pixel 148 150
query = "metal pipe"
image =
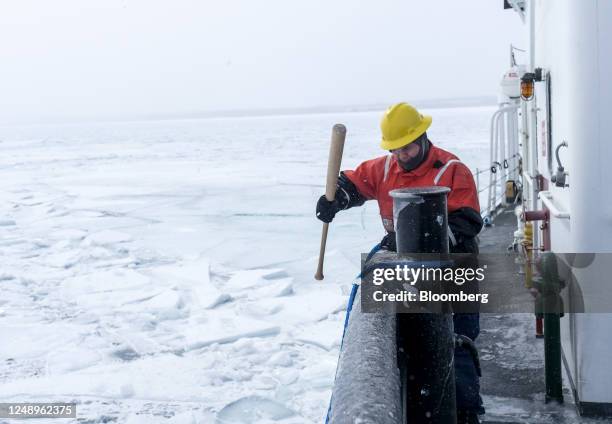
pixel 503 148
pixel 427 368
pixel 528 249
pixel 421 219
pixel 550 289
pixel 493 175
pixel 552 353
pixel 539 333
pixel 493 153
pixel 514 143
pixel 531 35
pixel 542 215
pixel 546 198
pixel 539 215
pixel 425 341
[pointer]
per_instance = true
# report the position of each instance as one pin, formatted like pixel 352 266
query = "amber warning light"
pixel 527 83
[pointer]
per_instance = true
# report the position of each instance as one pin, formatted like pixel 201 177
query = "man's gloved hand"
pixel 326 210
pixel 388 242
pixel 346 197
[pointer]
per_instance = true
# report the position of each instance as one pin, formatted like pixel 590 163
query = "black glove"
pixel 388 242
pixel 465 224
pixel 326 210
pixel 346 197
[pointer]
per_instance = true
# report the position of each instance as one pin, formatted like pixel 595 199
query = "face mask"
pixel 414 162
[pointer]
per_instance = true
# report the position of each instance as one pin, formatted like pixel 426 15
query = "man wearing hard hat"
pixel 415 162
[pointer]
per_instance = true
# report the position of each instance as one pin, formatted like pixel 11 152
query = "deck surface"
pixel 512 358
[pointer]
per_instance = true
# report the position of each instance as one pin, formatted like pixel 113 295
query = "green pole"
pixel 551 288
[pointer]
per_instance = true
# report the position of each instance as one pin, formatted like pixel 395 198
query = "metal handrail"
pixel 479 171
pixel 503 140
pixel 516 168
pixel 546 198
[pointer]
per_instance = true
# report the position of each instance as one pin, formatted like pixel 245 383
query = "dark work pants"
pixel 467 381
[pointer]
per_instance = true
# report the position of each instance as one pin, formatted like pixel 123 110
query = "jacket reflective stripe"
pixel 370 180
pixel 348 197
pixel 451 236
pixel 441 172
pixel 387 166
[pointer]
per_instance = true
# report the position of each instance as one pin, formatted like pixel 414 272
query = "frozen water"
pixel 253 409
pixel 163 271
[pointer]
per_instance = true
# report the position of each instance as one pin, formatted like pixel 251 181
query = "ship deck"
pixel 512 358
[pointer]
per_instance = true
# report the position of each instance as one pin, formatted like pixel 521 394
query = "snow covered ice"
pixel 162 271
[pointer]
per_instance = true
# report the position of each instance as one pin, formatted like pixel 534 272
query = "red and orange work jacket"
pixel 375 178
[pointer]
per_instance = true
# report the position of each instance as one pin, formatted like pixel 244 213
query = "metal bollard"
pixel 425 341
pixel 420 219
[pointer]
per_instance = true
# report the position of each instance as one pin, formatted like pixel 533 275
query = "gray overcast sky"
pixel 100 58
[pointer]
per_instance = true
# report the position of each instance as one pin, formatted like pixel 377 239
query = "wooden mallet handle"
pixel 333 169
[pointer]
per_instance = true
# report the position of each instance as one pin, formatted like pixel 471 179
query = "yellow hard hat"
pixel 401 125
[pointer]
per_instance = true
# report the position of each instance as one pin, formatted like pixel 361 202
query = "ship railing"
pixel 504 160
pixel 492 195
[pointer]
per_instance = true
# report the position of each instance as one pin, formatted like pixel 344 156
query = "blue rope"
pixel 349 308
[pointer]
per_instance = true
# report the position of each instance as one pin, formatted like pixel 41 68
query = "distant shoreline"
pixel 424 104
pixel 246 113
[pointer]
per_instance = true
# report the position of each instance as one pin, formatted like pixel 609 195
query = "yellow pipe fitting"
pixel 528 249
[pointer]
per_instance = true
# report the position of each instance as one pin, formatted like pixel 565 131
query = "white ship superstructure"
pixel 564 138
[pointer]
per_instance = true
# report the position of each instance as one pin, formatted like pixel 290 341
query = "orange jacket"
pixel 376 177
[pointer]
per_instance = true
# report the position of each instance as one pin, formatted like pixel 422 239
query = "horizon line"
pixel 436 103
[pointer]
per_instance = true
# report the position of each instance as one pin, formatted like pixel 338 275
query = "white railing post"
pixel 503 149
